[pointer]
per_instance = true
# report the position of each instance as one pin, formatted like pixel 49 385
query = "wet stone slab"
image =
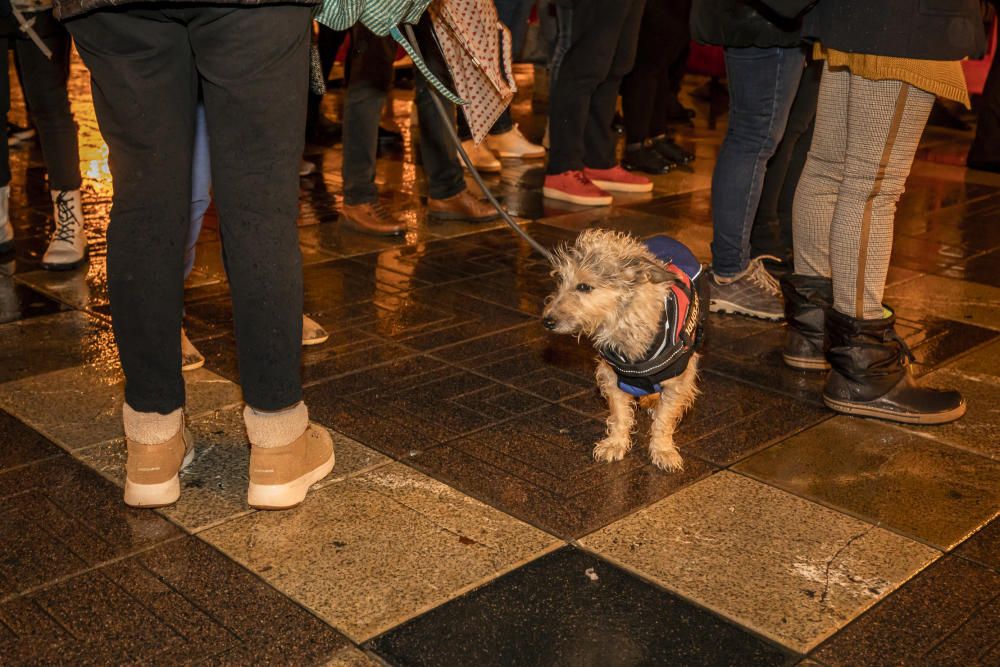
pixel 887 475
pixel 775 563
pixel 366 554
pixel 53 342
pixel 81 406
pixel 572 608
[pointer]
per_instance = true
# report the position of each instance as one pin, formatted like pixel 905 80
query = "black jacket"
pixel 923 29
pixel 743 23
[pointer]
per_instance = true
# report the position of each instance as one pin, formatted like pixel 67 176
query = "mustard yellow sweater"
pixel 944 78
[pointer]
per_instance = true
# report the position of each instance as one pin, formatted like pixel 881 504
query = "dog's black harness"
pixel 682 324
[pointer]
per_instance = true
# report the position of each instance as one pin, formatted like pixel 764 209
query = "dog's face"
pixel 597 278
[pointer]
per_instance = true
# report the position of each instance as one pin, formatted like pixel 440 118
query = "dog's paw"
pixel 610 449
pixel 667 459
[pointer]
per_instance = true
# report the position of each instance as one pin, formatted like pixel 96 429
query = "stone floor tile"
pixel 214 485
pixel 81 406
pixel 572 608
pixel 777 564
pixel 58 518
pixel 931 295
pixel 886 475
pixel 984 546
pixel 540 468
pixel 164 607
pixel 19 302
pixel 368 553
pixel 53 342
pixel 20 445
pixel 947 615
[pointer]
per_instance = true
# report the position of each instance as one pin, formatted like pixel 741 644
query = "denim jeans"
pixel 762 87
pixel 201 186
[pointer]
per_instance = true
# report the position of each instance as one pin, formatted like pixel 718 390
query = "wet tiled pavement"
pixel 465 522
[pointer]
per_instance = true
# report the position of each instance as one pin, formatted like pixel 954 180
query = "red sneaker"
pixel 576 188
pixel 617 179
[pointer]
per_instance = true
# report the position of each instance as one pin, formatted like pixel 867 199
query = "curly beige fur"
pixel 611 289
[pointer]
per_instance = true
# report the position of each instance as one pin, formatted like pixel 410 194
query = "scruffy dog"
pixel 639 303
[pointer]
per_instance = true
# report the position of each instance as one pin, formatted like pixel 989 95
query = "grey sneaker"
pixel 754 293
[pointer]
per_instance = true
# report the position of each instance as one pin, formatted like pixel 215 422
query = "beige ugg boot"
pixel 287 456
pixel 159 446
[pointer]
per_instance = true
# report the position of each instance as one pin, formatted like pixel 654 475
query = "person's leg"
pixel 146 111
pixel 370 81
pixel 870 362
pixel 784 169
pixel 513 14
pixel 6 229
pixel 45 86
pixel 201 187
pixel 318 127
pixel 249 57
pixel 623 25
pixel 762 85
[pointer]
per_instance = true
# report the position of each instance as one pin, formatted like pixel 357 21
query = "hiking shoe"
pixel 513 144
pixel 68 246
pixel 576 188
pixel 617 179
pixel 152 472
pixel 313 332
pixel 754 293
pixel 482 157
pixel 280 477
pixel 191 358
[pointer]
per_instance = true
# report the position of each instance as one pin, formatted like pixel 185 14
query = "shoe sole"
pixel 863 410
pixel 520 156
pixel 552 193
pixel 485 170
pixel 726 307
pixel 666 170
pixel 458 217
pixel 151 496
pixel 288 495
pixel 615 186
pixel 193 366
pixel 806 363
pixel 318 340
pixel 49 266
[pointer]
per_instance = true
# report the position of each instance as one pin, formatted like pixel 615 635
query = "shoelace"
pixel 904 350
pixel 66 221
pixel 760 276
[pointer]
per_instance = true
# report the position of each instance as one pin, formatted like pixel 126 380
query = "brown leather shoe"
pixel 372 218
pixel 464 207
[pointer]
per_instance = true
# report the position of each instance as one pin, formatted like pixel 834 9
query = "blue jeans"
pixel 762 87
pixel 201 186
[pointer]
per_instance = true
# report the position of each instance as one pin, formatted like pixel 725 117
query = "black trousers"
pixel 649 91
pixel 985 149
pixel 595 49
pixel 252 64
pixel 44 86
pixel 328 43
pixel 772 227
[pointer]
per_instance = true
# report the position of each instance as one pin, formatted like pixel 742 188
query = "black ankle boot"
pixel 807 298
pixel 671 152
pixel 871 377
pixel 645 159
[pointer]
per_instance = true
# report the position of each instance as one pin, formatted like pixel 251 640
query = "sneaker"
pixel 515 145
pixel 576 188
pixel 313 332
pixel 617 179
pixel 6 229
pixel 152 472
pixel 191 358
pixel 754 293
pixel 306 168
pixel 482 157
pixel 17 134
pixel 68 247
pixel 280 477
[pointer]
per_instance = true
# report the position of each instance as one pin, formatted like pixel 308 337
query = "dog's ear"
pixel 654 272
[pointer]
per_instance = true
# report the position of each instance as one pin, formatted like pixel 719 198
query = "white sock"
pixel 276 429
pixel 151 428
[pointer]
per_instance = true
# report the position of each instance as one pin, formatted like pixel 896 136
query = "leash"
pixel 449 122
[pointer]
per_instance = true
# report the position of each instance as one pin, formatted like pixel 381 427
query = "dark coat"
pixel 67 9
pixel 743 23
pixel 922 29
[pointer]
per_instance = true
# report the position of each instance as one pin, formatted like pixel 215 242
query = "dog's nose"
pixel 549 323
